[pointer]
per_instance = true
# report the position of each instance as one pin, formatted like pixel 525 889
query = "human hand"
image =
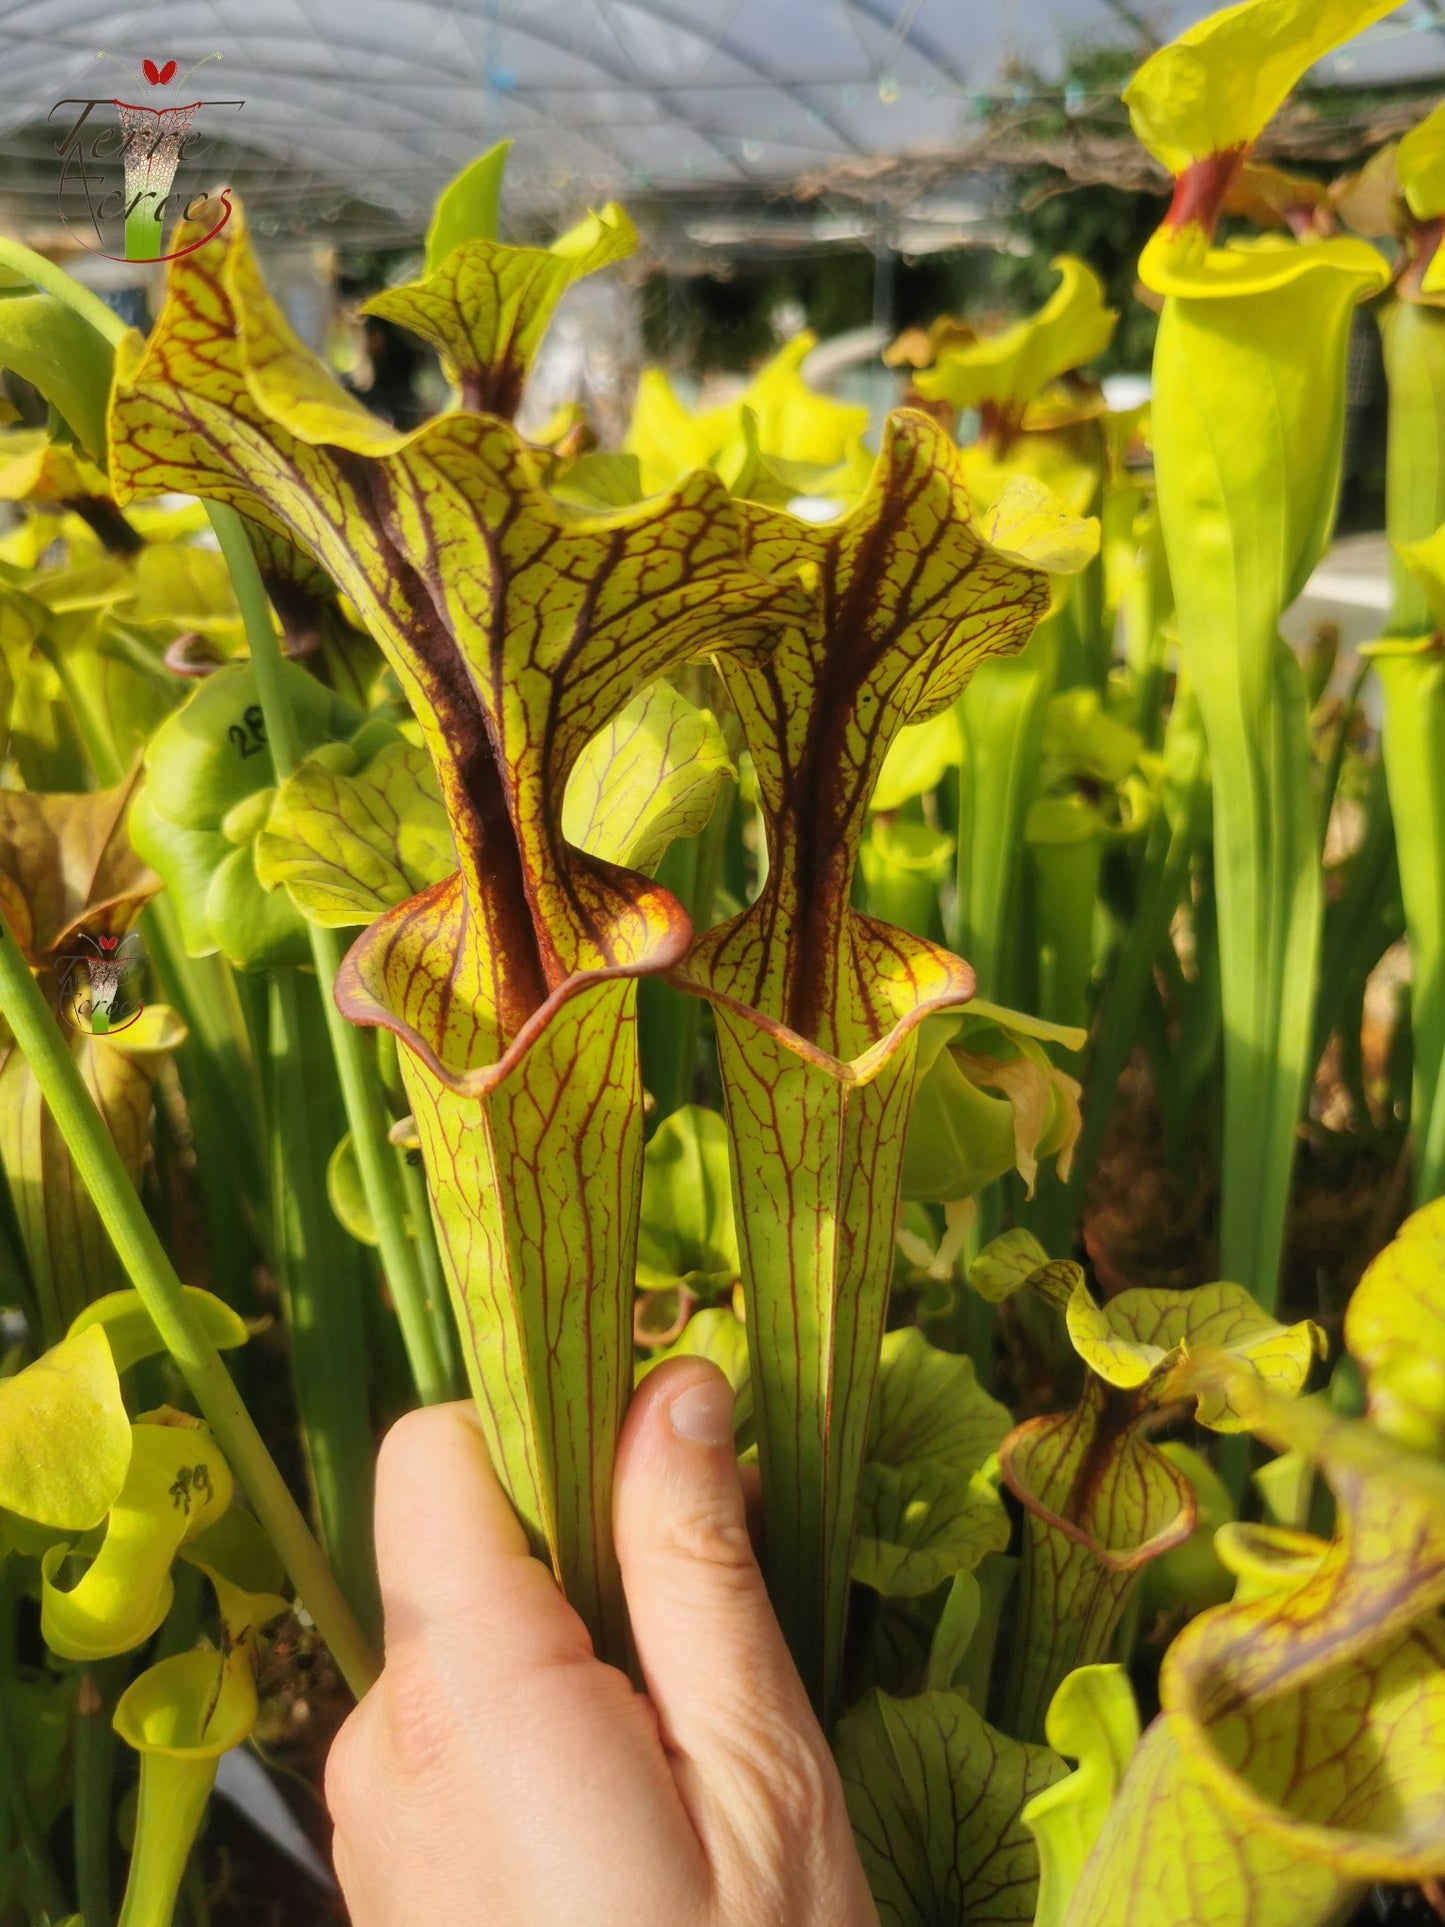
pixel 498 1773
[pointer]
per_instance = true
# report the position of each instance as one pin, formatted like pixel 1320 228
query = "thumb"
pixel 730 1704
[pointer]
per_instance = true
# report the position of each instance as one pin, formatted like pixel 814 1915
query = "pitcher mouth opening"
pixel 955 987
pixel 360 999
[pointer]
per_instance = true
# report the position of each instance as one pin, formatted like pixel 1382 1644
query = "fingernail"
pixel 703 1414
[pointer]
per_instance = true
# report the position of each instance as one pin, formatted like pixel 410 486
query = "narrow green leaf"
pixel 322 1275
pixel 1412 679
pixel 469 207
pixel 1001 717
pixel 957 1624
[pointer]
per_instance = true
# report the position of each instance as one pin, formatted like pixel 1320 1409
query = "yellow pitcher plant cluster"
pixel 107 1505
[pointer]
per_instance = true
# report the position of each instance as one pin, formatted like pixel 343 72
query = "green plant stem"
pixel 143 239
pixel 1412 678
pixel 997 1574
pixel 1172 842
pixel 281 735
pixel 223 1103
pixel 1269 908
pixel 323 1274
pixel 1330 788
pixel 52 280
pixel 971 1323
pixel 92 1780
pixel 151 1272
pixel 427 1353
pixel 1361 921
pixel 204 990
pixel 85 713
pixel 1430 1177
pixel 1146 606
pixel 224 1109
pixel 1001 717
pixel 1413 337
pixel 420 1313
pixel 135 1239
pixel 1086 645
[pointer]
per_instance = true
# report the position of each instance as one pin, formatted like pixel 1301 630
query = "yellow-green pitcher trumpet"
pixel 1248 427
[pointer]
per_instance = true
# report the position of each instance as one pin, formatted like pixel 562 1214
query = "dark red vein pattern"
pixel 487 305
pixel 816 1006
pixel 518 630
pixel 936 1797
pixel 1301 1753
pixel 1100 1502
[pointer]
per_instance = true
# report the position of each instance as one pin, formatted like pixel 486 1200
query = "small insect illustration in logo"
pixel 100 985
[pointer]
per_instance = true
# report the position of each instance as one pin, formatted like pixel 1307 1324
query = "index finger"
pixel 452 1558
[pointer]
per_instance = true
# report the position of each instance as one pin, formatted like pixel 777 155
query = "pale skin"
pixel 498 1775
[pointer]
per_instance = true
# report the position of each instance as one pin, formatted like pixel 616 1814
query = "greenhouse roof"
pixel 359 110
